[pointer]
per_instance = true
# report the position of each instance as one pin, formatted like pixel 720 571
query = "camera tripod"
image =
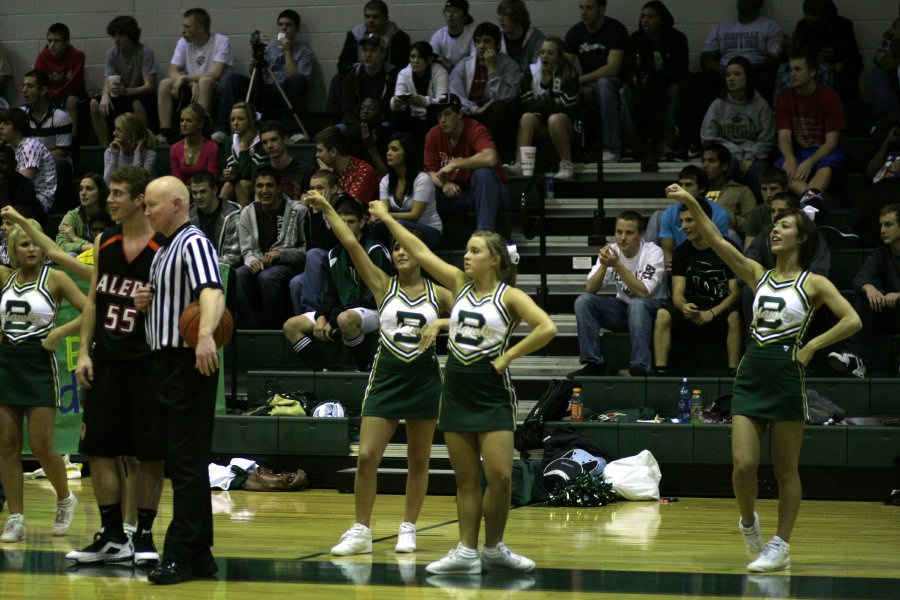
pixel 261 65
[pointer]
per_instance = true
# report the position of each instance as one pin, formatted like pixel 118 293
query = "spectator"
pixel 521 41
pixel 549 101
pixel 884 170
pixel 743 122
pixel 294 173
pixel 97 224
pixel 408 192
pixel 16 189
pixel 291 62
pixel 133 144
pixel 453 41
pixel 637 268
pixel 599 42
pixel 51 125
pixel 246 154
pixel 372 78
pixel 772 181
pixel 347 307
pixel 65 67
pixel 885 85
pixel 810 122
pixel 200 61
pixel 74 234
pixel 33 160
pixel 374 133
pixel 419 84
pixel 704 298
pixel 354 176
pixel 134 64
pixel 488 82
pixel 5 74
pixel 655 62
pixel 216 217
pixel 737 199
pixel 462 161
pixel 195 152
pixel 273 249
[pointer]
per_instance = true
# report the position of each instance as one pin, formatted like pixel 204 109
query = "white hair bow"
pixel 513 253
pixel 810 211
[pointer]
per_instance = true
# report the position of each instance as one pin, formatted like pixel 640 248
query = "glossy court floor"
pixel 275 545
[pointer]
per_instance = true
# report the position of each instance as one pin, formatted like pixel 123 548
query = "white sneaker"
pixel 460 560
pixel 406 539
pixel 609 156
pixel 65 512
pixel 847 363
pixel 513 169
pixel 161 140
pixel 219 137
pixel 14 531
pixel 502 557
pixel 566 171
pixel 775 556
pixel 298 137
pixel 752 537
pixel 356 540
pixel 103 550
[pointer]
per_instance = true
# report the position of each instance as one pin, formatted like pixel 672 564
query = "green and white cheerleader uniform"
pixel 27 314
pixel 404 384
pixel 475 397
pixel 769 384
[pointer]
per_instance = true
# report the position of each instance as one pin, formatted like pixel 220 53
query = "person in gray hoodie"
pixel 521 41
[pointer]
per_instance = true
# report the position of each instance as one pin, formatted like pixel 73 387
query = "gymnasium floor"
pixel 275 545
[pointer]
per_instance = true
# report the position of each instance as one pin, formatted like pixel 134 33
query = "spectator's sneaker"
pixel 513 169
pixel 356 540
pixel 406 539
pixel 502 557
pixel 629 156
pixel 566 171
pixel 775 556
pixel 298 137
pixel 685 153
pixel 588 370
pixel 752 537
pixel 638 371
pixel 65 512
pixel 103 550
pixel 219 137
pixel 610 156
pixel 847 363
pixel 145 554
pixel 460 560
pixel 14 531
pixel 161 140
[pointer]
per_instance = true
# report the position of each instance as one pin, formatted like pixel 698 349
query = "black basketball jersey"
pixel 119 327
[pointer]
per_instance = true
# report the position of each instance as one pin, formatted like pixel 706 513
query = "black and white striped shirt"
pixel 185 264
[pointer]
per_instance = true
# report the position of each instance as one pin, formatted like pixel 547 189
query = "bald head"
pixel 166 204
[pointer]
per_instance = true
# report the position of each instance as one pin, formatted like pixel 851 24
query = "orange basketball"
pixel 189 326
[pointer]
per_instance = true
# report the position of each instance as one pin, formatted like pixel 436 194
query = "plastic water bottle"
pixel 697 407
pixel 684 402
pixel 550 193
pixel 576 404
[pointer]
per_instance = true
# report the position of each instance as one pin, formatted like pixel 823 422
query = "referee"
pixel 184 269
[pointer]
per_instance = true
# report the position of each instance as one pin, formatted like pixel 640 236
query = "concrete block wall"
pixel 23 25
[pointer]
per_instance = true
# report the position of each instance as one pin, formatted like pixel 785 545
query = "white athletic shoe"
pixel 752 537
pixel 14 531
pixel 406 539
pixel 103 550
pixel 65 512
pixel 356 540
pixel 566 171
pixel 775 556
pixel 502 557
pixel 847 363
pixel 460 560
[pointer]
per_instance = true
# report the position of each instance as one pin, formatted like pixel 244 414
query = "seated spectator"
pixel 347 307
pixel 16 189
pixel 772 181
pixel 737 199
pixel 216 217
pixel 291 62
pixel 246 154
pixel 294 173
pixel 33 160
pixel 884 75
pixel 134 64
pixel 419 84
pixel 488 82
pixel 599 43
pixel 97 224
pixel 371 139
pixel 810 122
pixel 133 144
pixel 354 176
pixel 521 41
pixel 705 298
pixel 195 152
pixel 371 78
pixel 51 125
pixel 64 65
pixel 883 169
pixel 408 192
pixel 549 102
pixel 830 38
pixel 462 161
pixel 200 61
pixel 5 74
pixel 877 300
pixel 743 122
pixel 453 42
pixel 638 270
pixel 74 234
pixel 656 60
pixel 273 249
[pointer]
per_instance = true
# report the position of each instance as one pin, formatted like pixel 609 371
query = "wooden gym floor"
pixel 276 545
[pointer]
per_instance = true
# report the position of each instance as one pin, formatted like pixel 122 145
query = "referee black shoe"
pixel 171 571
pixel 104 549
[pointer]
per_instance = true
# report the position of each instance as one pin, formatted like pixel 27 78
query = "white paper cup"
pixel 114 80
pixel 281 35
pixel 528 155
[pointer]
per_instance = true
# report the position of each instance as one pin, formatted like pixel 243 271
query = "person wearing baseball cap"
pixel 372 78
pixel 453 41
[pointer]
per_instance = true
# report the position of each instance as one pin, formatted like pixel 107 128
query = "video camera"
pixel 258 47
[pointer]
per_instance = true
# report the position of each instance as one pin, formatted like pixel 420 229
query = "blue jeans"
pixel 606 90
pixel 593 311
pixel 306 288
pixel 262 299
pixel 486 193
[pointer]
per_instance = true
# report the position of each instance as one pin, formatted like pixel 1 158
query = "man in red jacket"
pixel 65 67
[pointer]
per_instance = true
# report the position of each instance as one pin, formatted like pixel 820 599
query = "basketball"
pixel 189 326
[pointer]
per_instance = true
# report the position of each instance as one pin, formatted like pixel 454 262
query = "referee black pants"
pixel 188 401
